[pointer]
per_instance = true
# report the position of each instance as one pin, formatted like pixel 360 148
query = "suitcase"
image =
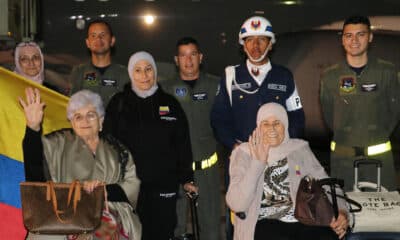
pixel 195 235
pixel 376 205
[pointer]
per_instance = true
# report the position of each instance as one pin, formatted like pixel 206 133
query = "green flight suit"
pixel 197 103
pixel 86 76
pixel 361 110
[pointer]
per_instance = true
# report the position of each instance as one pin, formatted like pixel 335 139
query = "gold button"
pixel 277 97
pixel 241 96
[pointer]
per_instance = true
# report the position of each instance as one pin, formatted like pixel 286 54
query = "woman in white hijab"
pixel 29 61
pixel 264 176
pixel 153 126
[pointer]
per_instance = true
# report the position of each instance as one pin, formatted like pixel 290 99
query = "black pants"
pixel 157 213
pixel 277 230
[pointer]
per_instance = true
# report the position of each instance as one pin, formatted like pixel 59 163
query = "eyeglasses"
pixel 90 116
pixel 25 60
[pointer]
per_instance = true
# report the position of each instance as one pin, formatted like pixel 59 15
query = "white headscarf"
pixel 288 145
pixel 136 57
pixel 39 78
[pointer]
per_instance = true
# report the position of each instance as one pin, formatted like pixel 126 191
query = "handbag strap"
pixel 74 188
pixel 105 199
pixel 332 183
pixel 352 202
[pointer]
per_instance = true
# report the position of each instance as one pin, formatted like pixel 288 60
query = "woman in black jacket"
pixel 153 126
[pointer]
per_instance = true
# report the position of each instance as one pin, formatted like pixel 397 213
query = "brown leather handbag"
pixel 60 208
pixel 312 204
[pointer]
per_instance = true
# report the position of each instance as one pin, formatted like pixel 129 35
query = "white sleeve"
pixel 293 103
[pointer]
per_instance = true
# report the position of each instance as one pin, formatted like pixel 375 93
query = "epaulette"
pixel 385 62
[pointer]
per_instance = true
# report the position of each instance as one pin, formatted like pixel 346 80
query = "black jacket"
pixel 155 130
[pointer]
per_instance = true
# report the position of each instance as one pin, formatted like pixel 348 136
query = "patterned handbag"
pixel 61 208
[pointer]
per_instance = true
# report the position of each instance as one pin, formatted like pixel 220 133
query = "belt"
pixel 361 151
pixel 206 163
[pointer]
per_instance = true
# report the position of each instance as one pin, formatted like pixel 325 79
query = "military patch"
pixel 108 82
pixel 347 84
pixel 200 96
pixel 163 110
pixel 241 85
pixel 278 87
pixel 90 79
pixel 180 91
pixel 369 87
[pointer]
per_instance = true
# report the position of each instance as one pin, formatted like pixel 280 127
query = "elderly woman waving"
pixel 84 154
pixel 264 176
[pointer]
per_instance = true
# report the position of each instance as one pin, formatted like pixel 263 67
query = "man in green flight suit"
pixel 360 103
pixel 99 75
pixel 195 91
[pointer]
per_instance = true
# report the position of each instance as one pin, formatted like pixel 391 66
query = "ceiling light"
pixel 290 2
pixel 149 19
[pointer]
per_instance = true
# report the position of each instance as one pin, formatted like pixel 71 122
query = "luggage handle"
pixel 366 161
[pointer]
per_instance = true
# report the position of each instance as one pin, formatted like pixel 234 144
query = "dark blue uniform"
pixel 233 123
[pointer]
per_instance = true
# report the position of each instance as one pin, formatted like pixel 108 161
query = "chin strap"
pixel 261 57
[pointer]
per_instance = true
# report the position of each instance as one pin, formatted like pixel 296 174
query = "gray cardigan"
pixel 247 177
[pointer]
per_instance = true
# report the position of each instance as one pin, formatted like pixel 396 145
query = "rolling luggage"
pixel 380 214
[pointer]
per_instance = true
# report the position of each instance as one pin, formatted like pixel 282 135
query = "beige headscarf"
pixel 288 145
pixel 39 78
pixel 138 56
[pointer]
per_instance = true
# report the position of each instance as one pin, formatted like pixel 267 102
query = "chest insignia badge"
pixel 180 91
pixel 369 87
pixel 90 79
pixel 347 84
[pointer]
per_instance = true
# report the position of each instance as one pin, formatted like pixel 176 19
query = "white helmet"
pixel 256 26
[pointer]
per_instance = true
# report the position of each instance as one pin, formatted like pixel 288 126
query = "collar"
pixel 262 69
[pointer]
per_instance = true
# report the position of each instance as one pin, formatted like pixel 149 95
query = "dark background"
pixel 215 23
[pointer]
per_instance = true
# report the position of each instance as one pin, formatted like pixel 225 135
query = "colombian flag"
pixel 12 129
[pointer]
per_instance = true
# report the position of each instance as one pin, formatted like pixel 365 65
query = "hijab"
pixel 288 145
pixel 136 57
pixel 39 78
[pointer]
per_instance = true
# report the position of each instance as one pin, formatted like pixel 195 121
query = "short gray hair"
pixel 82 99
